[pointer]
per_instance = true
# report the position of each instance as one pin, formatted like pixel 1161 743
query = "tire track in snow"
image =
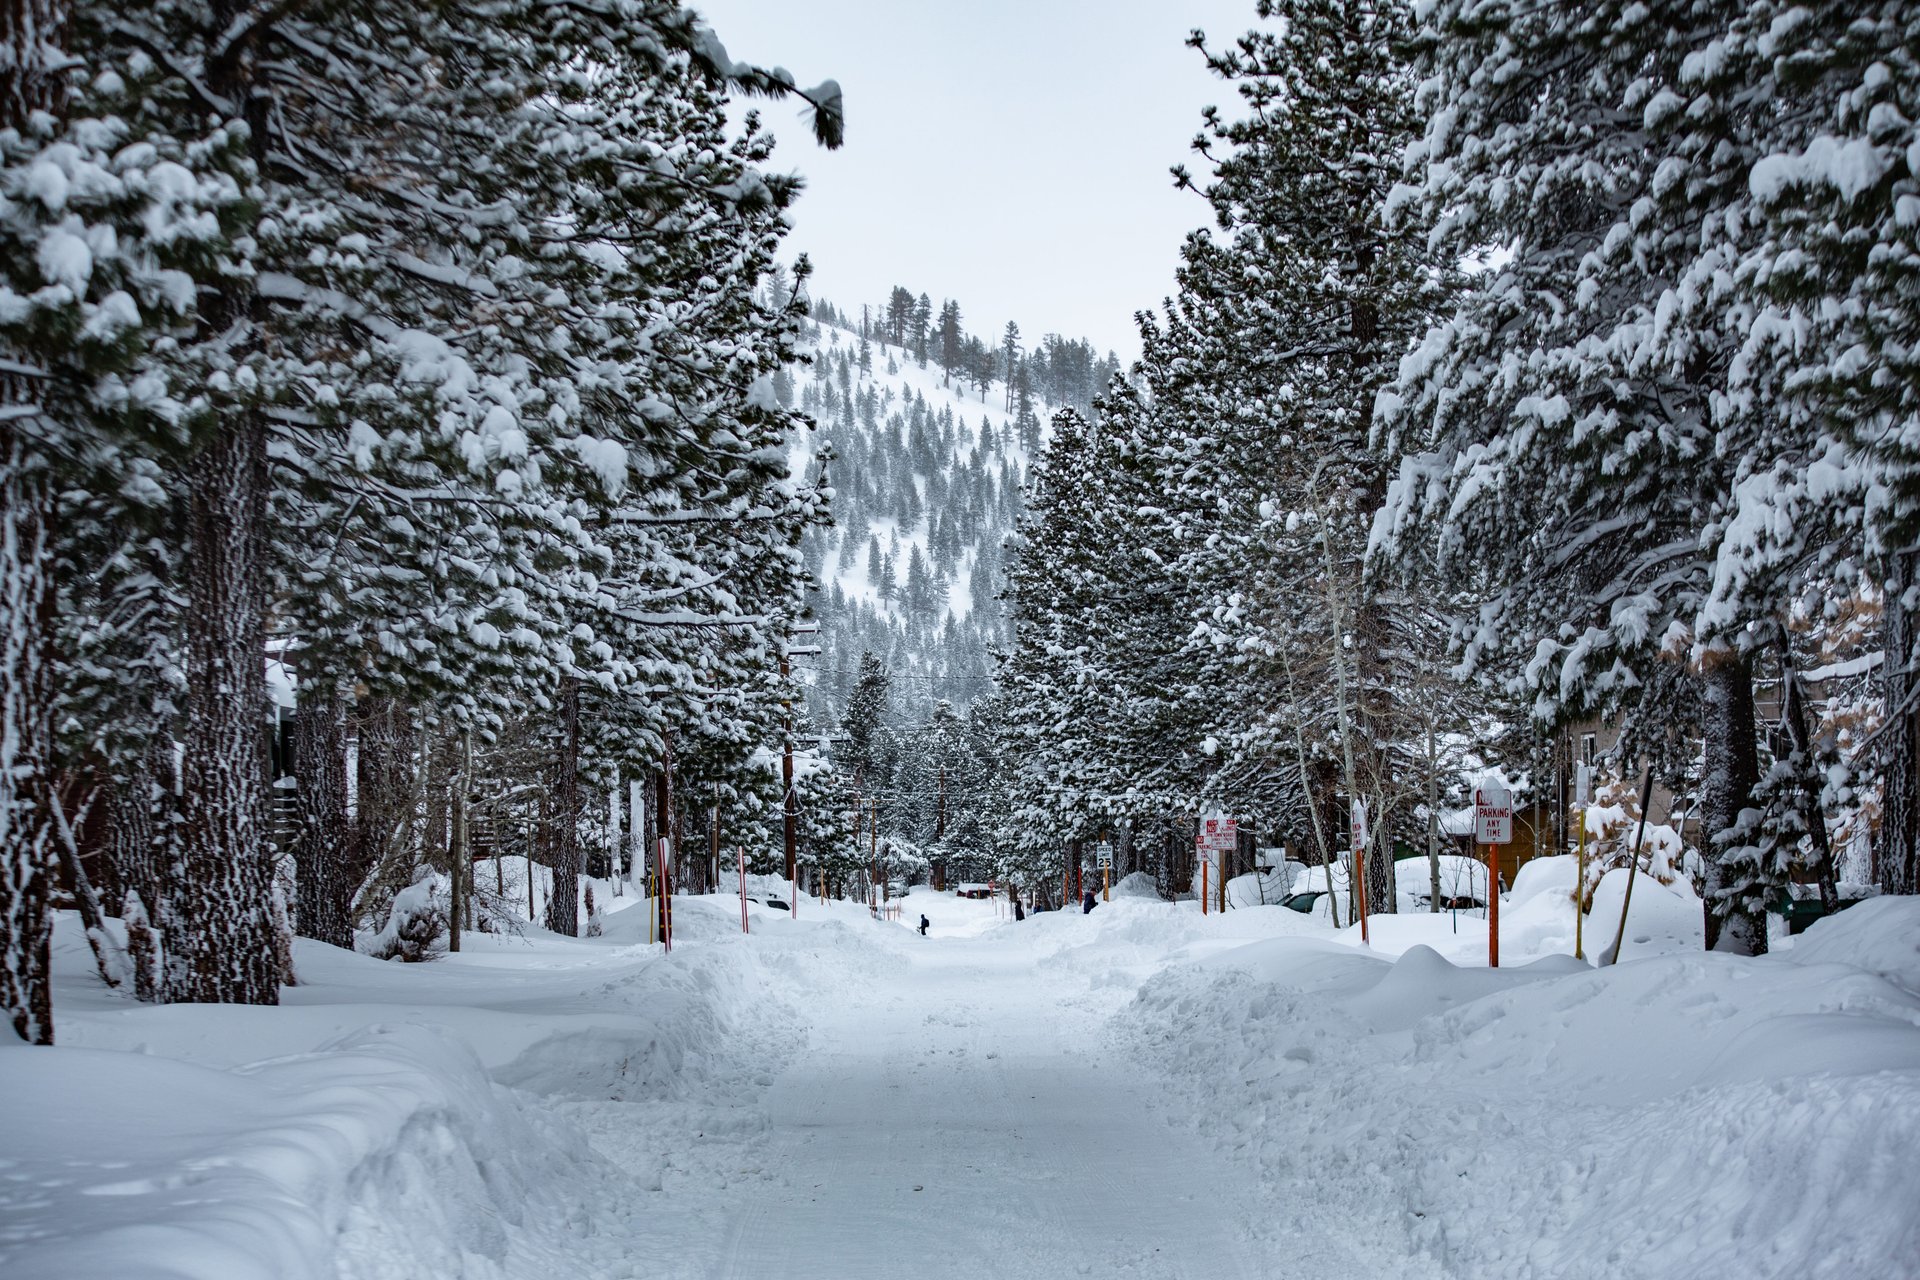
pixel 960 1116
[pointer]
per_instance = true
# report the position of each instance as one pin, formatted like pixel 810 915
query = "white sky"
pixel 1012 154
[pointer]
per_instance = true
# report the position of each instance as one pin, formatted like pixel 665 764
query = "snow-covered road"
pixel 1137 1093
pixel 962 1114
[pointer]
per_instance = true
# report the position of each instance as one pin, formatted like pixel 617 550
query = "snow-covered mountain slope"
pixel 927 474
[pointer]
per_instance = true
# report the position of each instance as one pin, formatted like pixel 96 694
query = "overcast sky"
pixel 1012 154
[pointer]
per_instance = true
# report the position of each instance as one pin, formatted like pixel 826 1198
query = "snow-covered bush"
pixel 415 923
pixel 1613 822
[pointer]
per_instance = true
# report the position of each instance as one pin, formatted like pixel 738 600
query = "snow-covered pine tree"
pixel 421 440
pixel 112 227
pixel 865 723
pixel 1094 722
pixel 1563 459
pixel 1259 391
pixel 1828 382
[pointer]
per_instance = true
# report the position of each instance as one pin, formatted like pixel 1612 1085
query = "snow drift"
pixel 1685 1114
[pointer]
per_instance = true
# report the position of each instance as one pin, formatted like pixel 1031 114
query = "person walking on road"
pixel 1088 903
pixel 923 926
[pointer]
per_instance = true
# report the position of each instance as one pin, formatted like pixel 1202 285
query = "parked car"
pixel 1303 901
pixel 775 904
pixel 975 891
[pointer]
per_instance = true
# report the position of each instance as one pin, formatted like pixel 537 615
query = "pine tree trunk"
pixel 1433 822
pixel 26 728
pixel 563 904
pixel 1794 714
pixel 1383 893
pixel 322 858
pixel 711 876
pixel 459 860
pixel 32 33
pixel 384 781
pixel 130 831
pixel 149 885
pixel 1896 854
pixel 1732 771
pixel 433 841
pixel 219 915
pixel 134 848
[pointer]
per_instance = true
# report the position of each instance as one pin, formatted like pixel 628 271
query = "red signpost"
pixel 1216 837
pixel 1493 827
pixel 1358 889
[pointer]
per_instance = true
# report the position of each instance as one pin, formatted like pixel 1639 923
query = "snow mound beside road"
pixel 1881 935
pixel 1683 1114
pixel 391 1124
pixel 417 1120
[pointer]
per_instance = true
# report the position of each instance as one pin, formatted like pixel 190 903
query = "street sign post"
pixel 1218 834
pixel 1492 815
pixel 1106 871
pixel 1216 837
pixel 1493 827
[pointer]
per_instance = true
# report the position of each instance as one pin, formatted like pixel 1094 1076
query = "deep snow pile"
pixel 542 1107
pixel 416 1120
pixel 1681 1115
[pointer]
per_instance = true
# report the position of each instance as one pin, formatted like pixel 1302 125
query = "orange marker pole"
pixel 1203 886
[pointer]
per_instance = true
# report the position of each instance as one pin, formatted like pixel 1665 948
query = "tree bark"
pixel 130 829
pixel 218 921
pixel 32 33
pixel 1733 769
pixel 459 859
pixel 1813 813
pixel 322 862
pixel 384 773
pixel 133 846
pixel 563 904
pixel 1896 855
pixel 1383 890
